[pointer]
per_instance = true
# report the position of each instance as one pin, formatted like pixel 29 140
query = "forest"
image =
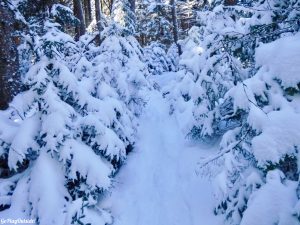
pixel 150 112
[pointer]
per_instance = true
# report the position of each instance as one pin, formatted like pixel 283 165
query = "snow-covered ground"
pixel 159 184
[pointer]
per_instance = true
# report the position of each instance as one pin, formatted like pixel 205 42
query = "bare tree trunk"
pixel 98 19
pixel 10 83
pixel 87 12
pixel 111 3
pixel 78 12
pixel 175 25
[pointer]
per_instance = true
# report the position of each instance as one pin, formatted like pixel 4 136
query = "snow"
pixel 157 59
pixel 159 185
pixel 90 216
pixel 68 135
pixel 19 207
pixel 45 178
pixel 272 203
pixel 281 134
pixel 282 59
pixel 90 166
pixel 24 139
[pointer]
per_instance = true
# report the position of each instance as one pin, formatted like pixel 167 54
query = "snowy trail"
pixel 158 185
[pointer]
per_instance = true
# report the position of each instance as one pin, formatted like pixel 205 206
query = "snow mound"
pixel 273 203
pixel 282 59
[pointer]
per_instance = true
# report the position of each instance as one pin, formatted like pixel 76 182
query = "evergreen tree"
pixel 187 15
pixel 209 66
pixel 120 62
pixel 248 112
pixel 224 90
pixel 123 15
pixel 70 131
pixel 157 59
pixel 264 144
pixel 153 22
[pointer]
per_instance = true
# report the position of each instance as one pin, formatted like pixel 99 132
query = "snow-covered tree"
pixel 187 14
pixel 157 59
pixel 123 15
pixel 226 87
pixel 219 53
pixel 156 20
pixel 267 139
pixel 153 23
pixel 209 66
pixel 68 133
pixel 121 64
pixel 257 154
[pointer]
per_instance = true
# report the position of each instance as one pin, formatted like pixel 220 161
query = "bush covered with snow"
pixel 67 134
pixel 120 63
pixel 157 59
pixel 269 135
pixel 71 129
pixel 208 67
pixel 239 80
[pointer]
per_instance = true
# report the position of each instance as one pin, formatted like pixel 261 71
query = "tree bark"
pixel 78 12
pixel 111 3
pixel 10 82
pixel 98 19
pixel 87 12
pixel 175 25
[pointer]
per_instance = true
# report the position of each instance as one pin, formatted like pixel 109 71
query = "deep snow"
pixel 159 184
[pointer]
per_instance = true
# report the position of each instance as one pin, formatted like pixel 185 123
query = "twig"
pixel 244 85
pixel 12 148
pixel 222 153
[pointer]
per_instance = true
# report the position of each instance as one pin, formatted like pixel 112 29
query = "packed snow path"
pixel 158 185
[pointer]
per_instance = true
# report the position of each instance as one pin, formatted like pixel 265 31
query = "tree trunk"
pixel 98 19
pixel 175 25
pixel 87 12
pixel 111 3
pixel 78 12
pixel 10 82
pixel 132 8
